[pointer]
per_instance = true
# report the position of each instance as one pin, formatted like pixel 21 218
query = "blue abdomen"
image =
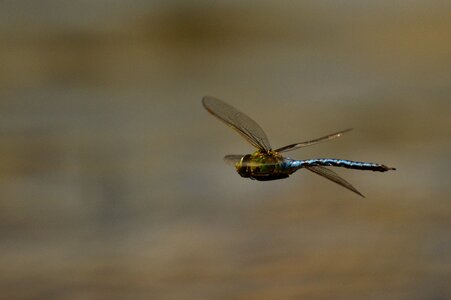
pixel 332 162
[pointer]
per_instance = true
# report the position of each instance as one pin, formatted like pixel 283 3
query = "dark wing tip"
pixel 359 193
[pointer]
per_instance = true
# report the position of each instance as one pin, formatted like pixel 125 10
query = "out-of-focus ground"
pixel 112 184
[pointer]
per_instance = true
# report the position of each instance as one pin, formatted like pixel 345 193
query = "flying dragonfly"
pixel 268 164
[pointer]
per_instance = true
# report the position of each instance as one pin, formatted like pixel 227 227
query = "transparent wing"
pixel 232 159
pixel 331 175
pixel 247 127
pixel 312 142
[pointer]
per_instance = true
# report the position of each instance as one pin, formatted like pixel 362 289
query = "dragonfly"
pixel 267 164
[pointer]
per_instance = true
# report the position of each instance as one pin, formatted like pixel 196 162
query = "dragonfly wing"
pixel 331 175
pixel 313 142
pixel 232 159
pixel 247 127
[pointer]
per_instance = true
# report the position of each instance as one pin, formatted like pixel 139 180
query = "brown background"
pixel 112 184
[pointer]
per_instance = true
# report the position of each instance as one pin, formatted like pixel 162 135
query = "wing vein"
pixel 331 175
pixel 239 121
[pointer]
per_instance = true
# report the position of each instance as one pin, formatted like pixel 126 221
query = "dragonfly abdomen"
pixel 332 162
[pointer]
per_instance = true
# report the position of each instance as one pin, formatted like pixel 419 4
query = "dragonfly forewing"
pixel 312 142
pixel 242 123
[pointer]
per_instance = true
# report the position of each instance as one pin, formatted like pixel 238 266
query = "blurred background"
pixel 112 182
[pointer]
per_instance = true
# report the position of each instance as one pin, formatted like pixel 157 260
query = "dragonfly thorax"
pixel 262 166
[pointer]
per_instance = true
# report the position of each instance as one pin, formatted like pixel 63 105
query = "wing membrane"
pixel 232 159
pixel 331 175
pixel 247 127
pixel 313 142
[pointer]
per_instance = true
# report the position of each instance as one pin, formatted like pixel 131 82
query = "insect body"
pixel 267 164
pixel 264 166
